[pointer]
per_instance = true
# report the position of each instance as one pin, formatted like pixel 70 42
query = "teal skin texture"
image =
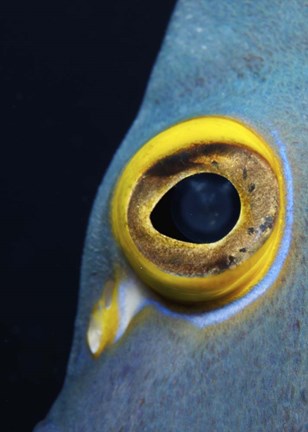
pixel 248 60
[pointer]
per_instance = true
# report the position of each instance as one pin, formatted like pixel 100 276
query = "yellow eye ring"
pixel 163 263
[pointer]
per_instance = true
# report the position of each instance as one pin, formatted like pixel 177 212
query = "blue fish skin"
pixel 248 60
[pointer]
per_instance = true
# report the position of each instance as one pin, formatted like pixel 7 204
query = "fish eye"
pixel 198 211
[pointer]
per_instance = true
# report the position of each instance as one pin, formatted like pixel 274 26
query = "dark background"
pixel 72 76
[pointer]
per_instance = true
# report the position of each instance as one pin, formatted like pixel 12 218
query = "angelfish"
pixel 187 325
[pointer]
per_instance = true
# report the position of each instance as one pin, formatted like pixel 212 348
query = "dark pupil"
pixel 202 208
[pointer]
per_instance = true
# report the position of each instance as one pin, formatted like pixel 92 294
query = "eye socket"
pixel 155 221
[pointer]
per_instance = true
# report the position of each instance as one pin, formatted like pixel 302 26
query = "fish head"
pixel 142 360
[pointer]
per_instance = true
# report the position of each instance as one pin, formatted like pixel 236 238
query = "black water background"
pixel 72 75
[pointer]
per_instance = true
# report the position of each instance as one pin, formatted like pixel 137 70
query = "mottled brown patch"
pixel 251 187
pixel 171 165
pixel 184 159
pixel 222 263
pixel 268 223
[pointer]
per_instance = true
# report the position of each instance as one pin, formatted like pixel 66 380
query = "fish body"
pixel 245 60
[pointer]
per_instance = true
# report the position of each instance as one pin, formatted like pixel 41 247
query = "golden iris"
pixel 185 271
